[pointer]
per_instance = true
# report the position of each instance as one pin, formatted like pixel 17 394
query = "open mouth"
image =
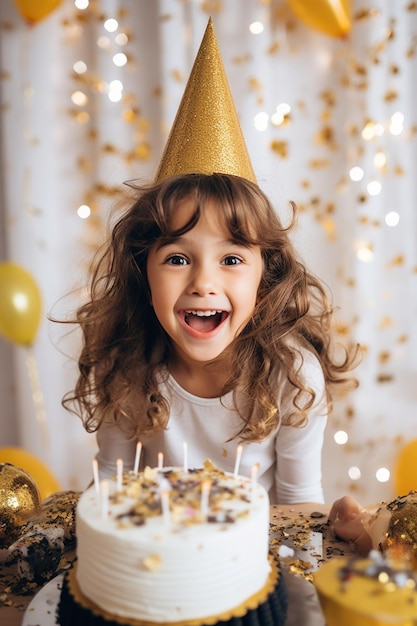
pixel 204 321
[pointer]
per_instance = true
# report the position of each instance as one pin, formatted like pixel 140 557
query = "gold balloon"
pixel 331 17
pixel 41 474
pixel 36 10
pixel 19 500
pixel 405 468
pixel 20 304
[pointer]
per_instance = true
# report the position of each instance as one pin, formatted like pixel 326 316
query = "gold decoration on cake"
pixel 152 563
pixel 206 136
pixel 19 500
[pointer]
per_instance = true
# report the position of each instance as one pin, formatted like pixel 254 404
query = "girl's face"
pixel 203 285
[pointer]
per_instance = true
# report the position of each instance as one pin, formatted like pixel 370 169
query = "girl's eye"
pixel 232 260
pixel 176 259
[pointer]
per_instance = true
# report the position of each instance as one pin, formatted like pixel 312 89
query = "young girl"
pixel 203 328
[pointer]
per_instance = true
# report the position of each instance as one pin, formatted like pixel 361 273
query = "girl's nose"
pixel 202 281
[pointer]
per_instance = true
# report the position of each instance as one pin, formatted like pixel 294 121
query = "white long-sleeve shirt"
pixel 289 458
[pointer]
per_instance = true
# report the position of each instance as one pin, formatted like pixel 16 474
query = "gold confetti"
pixel 325 136
pixel 318 163
pixel 386 322
pixel 403 339
pixel 254 83
pixel 384 378
pixel 329 227
pixel 273 48
pixel 130 114
pixel 152 563
pixel 384 356
pixel 366 14
pixel 396 261
pixel 280 148
pixel 177 76
pixel 212 7
pixel 390 96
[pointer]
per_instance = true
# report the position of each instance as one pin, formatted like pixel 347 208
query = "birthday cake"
pixel 373 591
pixel 174 546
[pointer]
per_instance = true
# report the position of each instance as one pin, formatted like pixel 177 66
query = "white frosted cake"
pixel 201 558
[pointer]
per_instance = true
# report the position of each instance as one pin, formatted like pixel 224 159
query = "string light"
pixel 356 173
pixel 103 42
pixel 281 114
pixel 111 25
pixel 374 188
pixel 84 211
pixel 364 253
pixel 341 437
pixel 372 130
pixel 383 475
pixel 79 98
pixel 121 39
pixel 120 59
pixel 380 159
pixel 115 90
pixel 354 473
pixel 256 28
pixel 80 67
pixel 392 218
pixel 396 125
pixel 261 121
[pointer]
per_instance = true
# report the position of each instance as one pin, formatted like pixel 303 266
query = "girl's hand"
pixel 347 518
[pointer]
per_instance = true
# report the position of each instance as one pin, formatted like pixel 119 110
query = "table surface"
pixel 298 521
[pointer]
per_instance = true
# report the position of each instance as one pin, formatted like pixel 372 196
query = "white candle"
pixel 165 507
pixel 160 460
pixel 185 457
pixel 254 475
pixel 137 457
pixel 104 491
pixel 95 476
pixel 119 465
pixel 205 495
pixel 237 462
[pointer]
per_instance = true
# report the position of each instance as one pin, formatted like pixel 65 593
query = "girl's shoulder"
pixel 307 365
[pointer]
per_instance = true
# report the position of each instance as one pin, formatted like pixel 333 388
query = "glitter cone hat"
pixel 206 136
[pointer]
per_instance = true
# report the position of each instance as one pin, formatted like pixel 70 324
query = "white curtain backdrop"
pixel 330 122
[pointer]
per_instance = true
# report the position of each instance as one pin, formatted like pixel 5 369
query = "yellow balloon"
pixel 36 10
pixel 20 304
pixel 30 463
pixel 405 469
pixel 331 17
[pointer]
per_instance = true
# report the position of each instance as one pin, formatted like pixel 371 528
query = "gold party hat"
pixel 206 136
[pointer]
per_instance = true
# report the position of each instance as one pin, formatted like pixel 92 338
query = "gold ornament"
pixel 19 500
pixel 206 136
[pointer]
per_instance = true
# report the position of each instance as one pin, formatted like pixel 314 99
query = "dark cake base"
pixel 272 612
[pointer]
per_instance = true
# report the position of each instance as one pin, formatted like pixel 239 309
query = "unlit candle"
pixel 119 465
pixel 137 457
pixel 237 462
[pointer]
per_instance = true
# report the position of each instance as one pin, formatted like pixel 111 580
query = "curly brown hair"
pixel 126 351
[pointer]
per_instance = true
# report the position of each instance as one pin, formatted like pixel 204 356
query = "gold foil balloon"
pixel 19 500
pixel 20 304
pixel 405 468
pixel 36 10
pixel 331 17
pixel 45 480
